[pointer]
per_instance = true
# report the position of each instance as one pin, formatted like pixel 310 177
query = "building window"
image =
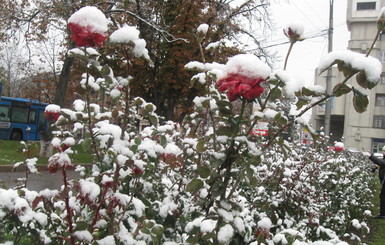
pixel 378 144
pixel 380 99
pixel 366 6
pixel 379 121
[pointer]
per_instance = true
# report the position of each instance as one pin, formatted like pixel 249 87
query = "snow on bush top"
pixel 247 65
pixel 125 34
pixel 90 17
pixel 129 34
pixel 203 28
pixel 370 65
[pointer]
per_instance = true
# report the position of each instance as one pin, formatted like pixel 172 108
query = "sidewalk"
pixel 36 182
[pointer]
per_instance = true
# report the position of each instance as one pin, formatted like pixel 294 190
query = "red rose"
pixel 339 146
pixel 241 86
pixel 137 171
pixel 84 36
pixel 52 116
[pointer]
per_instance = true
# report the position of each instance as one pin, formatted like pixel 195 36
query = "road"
pixel 36 182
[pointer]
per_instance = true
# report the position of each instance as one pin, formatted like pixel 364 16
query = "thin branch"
pixel 168 36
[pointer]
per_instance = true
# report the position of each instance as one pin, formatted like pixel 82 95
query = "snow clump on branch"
pixel 370 65
pixel 129 34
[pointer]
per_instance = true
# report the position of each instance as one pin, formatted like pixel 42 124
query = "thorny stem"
pixel 96 217
pixel 288 54
pixel 89 119
pixel 228 161
pixel 126 101
pixel 373 43
pixel 68 208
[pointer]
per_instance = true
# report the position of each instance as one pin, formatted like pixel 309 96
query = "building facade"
pixel 359 131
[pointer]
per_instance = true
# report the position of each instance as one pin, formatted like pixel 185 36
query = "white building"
pixel 360 131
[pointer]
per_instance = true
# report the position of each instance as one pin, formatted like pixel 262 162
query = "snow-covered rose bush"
pixel 207 180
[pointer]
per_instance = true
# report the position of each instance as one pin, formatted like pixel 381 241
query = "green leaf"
pixel 134 148
pixel 106 70
pixel 203 172
pixel 194 186
pixel 201 146
pixel 158 230
pixel 206 103
pixel 154 120
pixel 163 140
pixel 275 93
pixel 139 101
pixel 301 103
pixel 193 239
pixel 341 89
pixel 149 224
pixel 360 101
pixel 81 225
pixel 280 119
pixel 137 140
pixel 145 231
pixel 224 103
pixel 225 130
pixel 275 81
pixel 149 107
pixel 308 92
pixel 225 111
pixel 363 81
pixel 208 236
pixel 253 182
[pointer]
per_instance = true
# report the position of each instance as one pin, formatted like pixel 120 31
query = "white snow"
pixel 90 189
pixel 203 28
pixel 208 225
pixel 371 66
pixel 129 34
pixel 296 27
pixel 225 234
pixel 264 223
pixel 52 108
pixel 108 240
pixel 247 65
pixel 83 236
pixel 293 82
pixel 90 17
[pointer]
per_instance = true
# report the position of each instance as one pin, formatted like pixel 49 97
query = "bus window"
pixel 32 116
pixel 19 114
pixel 4 114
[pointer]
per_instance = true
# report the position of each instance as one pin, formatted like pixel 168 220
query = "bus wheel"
pixel 16 135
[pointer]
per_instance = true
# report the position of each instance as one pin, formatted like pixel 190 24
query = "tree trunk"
pixel 46 147
pixel 64 78
pixel 61 90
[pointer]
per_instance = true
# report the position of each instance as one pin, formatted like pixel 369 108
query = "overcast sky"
pixel 314 14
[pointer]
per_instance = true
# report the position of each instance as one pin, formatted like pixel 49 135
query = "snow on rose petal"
pixel 339 146
pixel 52 112
pixel 244 75
pixel 88 27
pixel 294 31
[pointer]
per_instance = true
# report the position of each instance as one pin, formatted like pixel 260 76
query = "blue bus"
pixel 21 119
